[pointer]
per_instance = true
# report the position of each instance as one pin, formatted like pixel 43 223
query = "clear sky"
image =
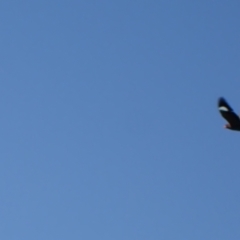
pixel 109 121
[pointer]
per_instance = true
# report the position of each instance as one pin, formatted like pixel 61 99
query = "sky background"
pixel 109 121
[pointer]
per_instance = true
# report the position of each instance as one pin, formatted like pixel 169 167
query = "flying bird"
pixel 228 113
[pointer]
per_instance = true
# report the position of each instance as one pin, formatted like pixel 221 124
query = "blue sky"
pixel 109 125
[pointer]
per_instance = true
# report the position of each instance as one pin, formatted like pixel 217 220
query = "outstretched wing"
pixel 228 113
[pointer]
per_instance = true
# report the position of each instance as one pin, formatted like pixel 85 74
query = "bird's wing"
pixel 228 113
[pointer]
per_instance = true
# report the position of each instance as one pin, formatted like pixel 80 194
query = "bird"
pixel 227 112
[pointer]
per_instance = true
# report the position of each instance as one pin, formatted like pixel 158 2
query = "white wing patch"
pixel 223 109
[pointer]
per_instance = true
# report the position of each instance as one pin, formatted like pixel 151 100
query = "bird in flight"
pixel 228 113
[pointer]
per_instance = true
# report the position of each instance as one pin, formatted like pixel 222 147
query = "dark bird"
pixel 228 113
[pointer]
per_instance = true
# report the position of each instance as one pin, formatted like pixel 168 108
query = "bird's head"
pixel 228 126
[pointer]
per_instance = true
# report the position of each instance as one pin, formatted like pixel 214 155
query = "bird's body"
pixel 228 113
